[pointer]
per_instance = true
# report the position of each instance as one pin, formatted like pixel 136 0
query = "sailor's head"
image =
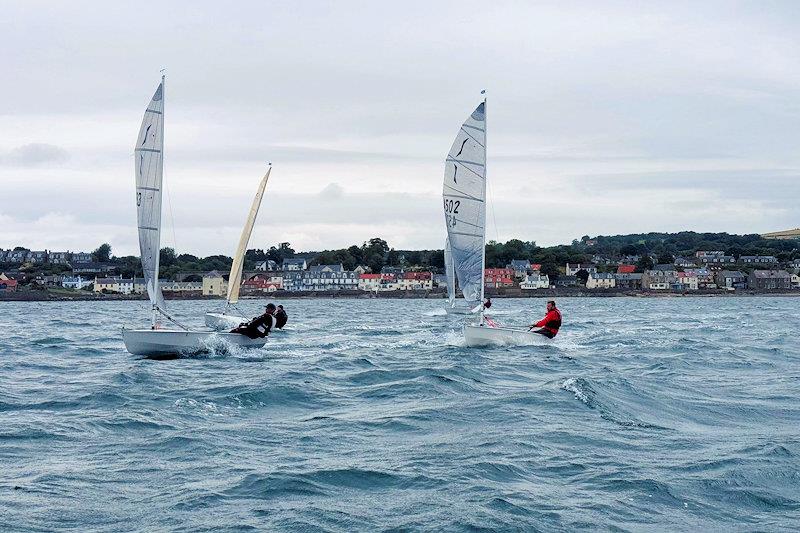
pixel 270 308
pixel 280 307
pixel 551 304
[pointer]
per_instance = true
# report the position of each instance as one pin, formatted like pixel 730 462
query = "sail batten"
pixel 235 277
pixel 149 168
pixel 464 195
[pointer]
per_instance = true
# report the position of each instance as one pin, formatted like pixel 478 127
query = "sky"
pixel 602 118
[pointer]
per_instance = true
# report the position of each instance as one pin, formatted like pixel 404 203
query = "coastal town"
pixel 30 272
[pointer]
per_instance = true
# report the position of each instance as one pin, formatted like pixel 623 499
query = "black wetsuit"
pixel 257 328
pixel 281 318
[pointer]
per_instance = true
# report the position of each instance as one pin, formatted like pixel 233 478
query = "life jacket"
pixel 553 324
pixel 280 319
pixel 263 324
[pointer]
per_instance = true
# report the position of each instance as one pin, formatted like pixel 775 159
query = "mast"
pixel 485 177
pixel 235 277
pixel 158 233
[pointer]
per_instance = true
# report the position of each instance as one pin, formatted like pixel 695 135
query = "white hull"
pixel 475 335
pixel 223 322
pixel 152 342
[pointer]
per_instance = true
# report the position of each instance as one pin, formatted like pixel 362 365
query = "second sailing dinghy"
pixel 155 340
pixel 464 196
pixel 226 320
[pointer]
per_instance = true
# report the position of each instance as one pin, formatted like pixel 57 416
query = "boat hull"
pixel 223 322
pixel 459 311
pixel 155 342
pixel 476 335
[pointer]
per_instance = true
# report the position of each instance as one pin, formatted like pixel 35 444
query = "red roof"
pixel 626 269
pixel 8 284
pixel 536 266
pixel 417 275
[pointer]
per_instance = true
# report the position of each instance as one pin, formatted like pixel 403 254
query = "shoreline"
pixel 47 296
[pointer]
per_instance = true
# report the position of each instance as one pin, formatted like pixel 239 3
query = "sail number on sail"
pixel 450 210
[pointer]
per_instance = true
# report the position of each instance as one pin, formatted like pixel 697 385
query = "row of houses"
pixel 665 279
pixel 321 278
pixel 44 256
pixel 138 285
pixel 715 259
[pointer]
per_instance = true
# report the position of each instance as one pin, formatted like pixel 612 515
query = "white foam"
pixel 573 386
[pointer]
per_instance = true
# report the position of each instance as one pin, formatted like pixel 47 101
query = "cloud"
pixel 34 155
pixel 332 191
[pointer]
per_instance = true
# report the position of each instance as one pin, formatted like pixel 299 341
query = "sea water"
pixel 644 414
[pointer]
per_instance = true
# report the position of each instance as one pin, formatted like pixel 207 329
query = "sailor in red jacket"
pixel 550 323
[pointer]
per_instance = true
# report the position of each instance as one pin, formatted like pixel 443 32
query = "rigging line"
pixel 491 206
pixel 165 184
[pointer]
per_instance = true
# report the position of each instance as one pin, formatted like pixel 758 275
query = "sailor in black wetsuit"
pixel 280 317
pixel 260 326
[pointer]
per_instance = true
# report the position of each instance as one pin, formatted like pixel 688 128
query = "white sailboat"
pixel 464 195
pixel 155 340
pixel 227 319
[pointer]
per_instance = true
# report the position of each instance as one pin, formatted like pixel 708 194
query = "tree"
pixel 283 251
pixel 103 253
pixel 582 275
pixel 166 257
pixel 666 259
pixel 644 263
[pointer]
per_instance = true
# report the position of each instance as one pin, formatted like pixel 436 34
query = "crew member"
pixel 551 322
pixel 280 317
pixel 259 326
pixel 488 303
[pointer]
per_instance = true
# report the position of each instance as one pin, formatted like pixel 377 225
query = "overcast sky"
pixel 603 118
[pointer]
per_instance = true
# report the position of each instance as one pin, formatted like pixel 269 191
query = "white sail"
pixel 450 273
pixel 149 154
pixel 464 196
pixel 235 278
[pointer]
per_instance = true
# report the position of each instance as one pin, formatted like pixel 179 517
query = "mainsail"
pixel 149 154
pixel 235 278
pixel 450 273
pixel 464 196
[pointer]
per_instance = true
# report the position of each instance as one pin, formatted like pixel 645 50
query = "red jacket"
pixel 551 321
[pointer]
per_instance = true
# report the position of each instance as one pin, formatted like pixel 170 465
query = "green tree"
pixel 166 257
pixel 644 263
pixel 102 253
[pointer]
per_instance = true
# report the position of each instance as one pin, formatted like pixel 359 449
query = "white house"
pixel 535 281
pixel 601 280
pixel 126 286
pixel 75 282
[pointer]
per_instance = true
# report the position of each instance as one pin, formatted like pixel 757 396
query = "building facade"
pixel 765 280
pixel 535 282
pixel 214 284
pixel 600 280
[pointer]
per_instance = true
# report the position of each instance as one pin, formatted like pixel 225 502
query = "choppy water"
pixel 645 414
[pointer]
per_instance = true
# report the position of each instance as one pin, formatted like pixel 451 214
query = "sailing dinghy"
pixel 155 340
pixel 226 320
pixel 464 195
